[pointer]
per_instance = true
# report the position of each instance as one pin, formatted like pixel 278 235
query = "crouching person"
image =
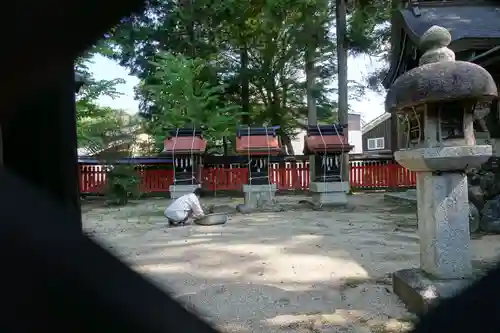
pixel 185 208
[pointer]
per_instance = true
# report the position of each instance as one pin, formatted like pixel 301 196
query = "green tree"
pixel 101 129
pixel 255 55
pixel 182 98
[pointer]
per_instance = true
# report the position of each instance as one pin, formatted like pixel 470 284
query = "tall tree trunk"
pixel 285 139
pixel 312 117
pixel 311 82
pixel 245 85
pixel 192 31
pixel 342 78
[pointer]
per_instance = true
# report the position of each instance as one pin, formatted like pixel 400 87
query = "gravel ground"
pixel 297 270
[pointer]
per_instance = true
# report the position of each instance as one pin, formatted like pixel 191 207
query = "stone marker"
pixel 439 97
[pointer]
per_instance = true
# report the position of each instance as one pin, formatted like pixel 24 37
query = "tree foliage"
pixel 100 128
pixel 95 123
pixel 253 56
pixel 182 97
pixel 369 32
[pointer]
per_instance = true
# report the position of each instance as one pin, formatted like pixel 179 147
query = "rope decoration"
pixel 174 162
pixel 341 160
pixel 215 179
pixel 324 154
pixel 249 162
pixel 193 178
pixel 269 185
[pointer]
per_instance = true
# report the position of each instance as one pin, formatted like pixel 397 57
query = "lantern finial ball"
pixel 434 43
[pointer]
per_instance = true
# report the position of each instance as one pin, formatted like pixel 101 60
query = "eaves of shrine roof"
pixel 472 26
pixel 463 22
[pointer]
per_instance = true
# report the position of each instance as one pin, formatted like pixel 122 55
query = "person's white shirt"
pixel 180 208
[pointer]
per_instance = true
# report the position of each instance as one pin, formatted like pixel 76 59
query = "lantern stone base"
pixel 177 191
pixel 257 196
pixel 333 193
pixel 419 291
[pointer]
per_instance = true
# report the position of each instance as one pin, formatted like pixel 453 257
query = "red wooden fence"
pixel 373 175
pixel 364 175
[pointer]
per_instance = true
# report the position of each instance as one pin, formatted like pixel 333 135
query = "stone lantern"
pixel 441 95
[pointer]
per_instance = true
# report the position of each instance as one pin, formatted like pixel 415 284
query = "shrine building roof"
pixel 258 145
pixel 473 27
pixel 328 143
pixel 184 144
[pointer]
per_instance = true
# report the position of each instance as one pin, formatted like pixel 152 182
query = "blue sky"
pixel 370 106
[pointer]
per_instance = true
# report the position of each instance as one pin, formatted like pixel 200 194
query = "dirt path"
pixel 292 271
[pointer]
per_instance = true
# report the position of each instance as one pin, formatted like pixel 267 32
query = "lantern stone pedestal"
pixel 329 193
pixel 177 191
pixel 443 224
pixel 420 292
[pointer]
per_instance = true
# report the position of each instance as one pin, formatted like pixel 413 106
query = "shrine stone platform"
pixel 177 191
pixel 329 193
pixel 257 196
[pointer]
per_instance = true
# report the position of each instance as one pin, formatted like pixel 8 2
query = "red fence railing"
pixel 291 178
pixel 364 175
pixel 92 178
pixel 373 175
pixel 224 179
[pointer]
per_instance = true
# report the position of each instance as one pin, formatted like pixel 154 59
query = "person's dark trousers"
pixel 173 223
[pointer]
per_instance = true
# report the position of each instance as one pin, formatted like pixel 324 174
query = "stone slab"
pixel 329 198
pixel 419 291
pixel 177 191
pixel 320 187
pixel 258 196
pixel 259 188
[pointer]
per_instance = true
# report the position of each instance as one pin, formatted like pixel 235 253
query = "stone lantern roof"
pixel 439 78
